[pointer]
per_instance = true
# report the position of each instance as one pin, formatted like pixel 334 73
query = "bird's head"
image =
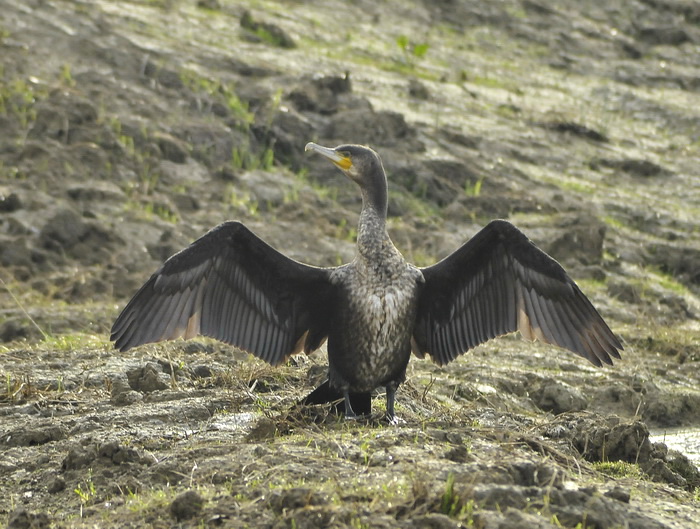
pixel 359 163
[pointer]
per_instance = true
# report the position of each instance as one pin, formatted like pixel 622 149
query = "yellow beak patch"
pixel 341 160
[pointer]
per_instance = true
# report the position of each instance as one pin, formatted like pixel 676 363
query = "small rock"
pixel 576 129
pixel 108 449
pixel 14 330
pixel 610 439
pixel 23 519
pixel 128 485
pixel 658 470
pixel 118 454
pixel 58 484
pixel 214 5
pixel 125 455
pixel 668 35
pixel 527 473
pixel 684 467
pixel 418 90
pixel 68 233
pixel 193 347
pixel 459 454
pixel 62 116
pixel 619 494
pixel 125 398
pixel 15 251
pixel 187 505
pixel 502 496
pixel 263 429
pixel 212 144
pixel 557 397
pixel 578 238
pixel 202 371
pixel 148 378
pixel 9 202
pixel 265 32
pixel 631 166
pixel 624 291
pixel 677 259
pixel 385 128
pixel 63 230
pixel 509 519
pixel 34 436
pixel 186 202
pixel 171 148
pixel 96 191
pixel 322 94
pixel 287 127
pixel 79 457
pixel 122 394
pixel 435 521
pixel 296 498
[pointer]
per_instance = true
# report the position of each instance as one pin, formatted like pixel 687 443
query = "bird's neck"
pixel 372 237
pixel 375 197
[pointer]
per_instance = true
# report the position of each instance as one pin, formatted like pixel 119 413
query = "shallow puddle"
pixel 685 440
pixel 233 421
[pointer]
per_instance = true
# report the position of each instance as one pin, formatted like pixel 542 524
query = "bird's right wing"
pixel 499 282
pixel 232 286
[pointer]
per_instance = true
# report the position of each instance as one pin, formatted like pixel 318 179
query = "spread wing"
pixel 499 282
pixel 232 286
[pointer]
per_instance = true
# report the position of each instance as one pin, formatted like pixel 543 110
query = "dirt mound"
pixel 131 128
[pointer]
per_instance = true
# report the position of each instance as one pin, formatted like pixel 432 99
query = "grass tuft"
pixel 619 469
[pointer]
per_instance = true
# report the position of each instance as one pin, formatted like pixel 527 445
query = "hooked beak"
pixel 342 161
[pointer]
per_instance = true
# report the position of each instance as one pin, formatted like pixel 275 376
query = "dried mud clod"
pixel 23 519
pixel 186 505
pixel 611 439
pixel 128 132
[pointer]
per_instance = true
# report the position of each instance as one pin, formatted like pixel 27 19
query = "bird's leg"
pixel 390 398
pixel 349 412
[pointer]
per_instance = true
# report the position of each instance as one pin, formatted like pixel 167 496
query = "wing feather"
pixel 500 282
pixel 232 286
pixel 176 323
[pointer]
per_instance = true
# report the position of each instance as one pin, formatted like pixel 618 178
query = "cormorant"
pixel 375 310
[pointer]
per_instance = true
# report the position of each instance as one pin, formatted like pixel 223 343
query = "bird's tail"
pixel 324 394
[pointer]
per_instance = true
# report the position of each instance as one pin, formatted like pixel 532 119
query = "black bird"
pixel 375 310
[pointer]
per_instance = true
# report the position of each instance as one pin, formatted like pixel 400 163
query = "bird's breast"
pixel 382 300
pixel 374 332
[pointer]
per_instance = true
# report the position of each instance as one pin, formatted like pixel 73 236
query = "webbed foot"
pixel 350 414
pixel 395 421
pixel 390 401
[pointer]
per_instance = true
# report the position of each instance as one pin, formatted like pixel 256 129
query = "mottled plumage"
pixel 375 310
pixel 370 340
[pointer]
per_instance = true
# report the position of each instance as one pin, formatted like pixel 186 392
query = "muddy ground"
pixel 130 128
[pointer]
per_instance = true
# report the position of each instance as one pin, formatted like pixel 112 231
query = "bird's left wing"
pixel 232 286
pixel 499 282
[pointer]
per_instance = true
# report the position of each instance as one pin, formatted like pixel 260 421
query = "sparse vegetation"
pixel 619 469
pixel 345 232
pixel 74 341
pixel 150 423
pixel 66 77
pixel 243 158
pixel 86 491
pixel 17 100
pixel 242 201
pixel 473 189
pixel 411 50
pixel 216 90
pixel 266 32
